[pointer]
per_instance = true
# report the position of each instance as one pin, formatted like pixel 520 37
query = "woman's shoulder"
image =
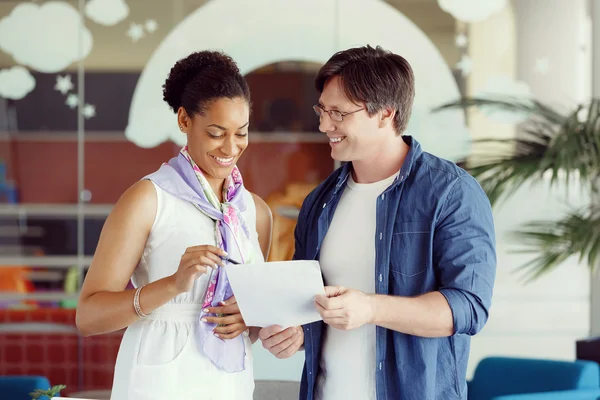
pixel 139 203
pixel 264 216
pixel 140 193
pixel 262 208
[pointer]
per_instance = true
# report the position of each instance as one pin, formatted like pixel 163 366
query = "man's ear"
pixel 386 117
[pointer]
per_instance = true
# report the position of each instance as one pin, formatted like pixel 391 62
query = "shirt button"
pixel 380 277
pixel 380 366
pixel 380 235
pixel 324 204
pixel 383 196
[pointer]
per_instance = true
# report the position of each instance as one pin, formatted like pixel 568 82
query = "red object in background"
pixel 111 167
pixel 58 356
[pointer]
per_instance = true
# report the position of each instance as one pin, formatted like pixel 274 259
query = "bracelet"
pixel 136 303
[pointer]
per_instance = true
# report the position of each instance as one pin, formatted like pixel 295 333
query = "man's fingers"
pixel 320 309
pixel 325 313
pixel 293 348
pixel 269 331
pixel 321 300
pixel 281 348
pixel 334 291
pixel 278 338
pixel 334 303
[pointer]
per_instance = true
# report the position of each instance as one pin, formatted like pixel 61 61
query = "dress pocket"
pixel 156 374
pixel 162 342
pixel 154 382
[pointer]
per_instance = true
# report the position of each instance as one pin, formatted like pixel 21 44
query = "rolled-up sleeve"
pixel 464 253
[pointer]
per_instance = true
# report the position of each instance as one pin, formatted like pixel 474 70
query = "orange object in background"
pixel 14 279
pixel 282 246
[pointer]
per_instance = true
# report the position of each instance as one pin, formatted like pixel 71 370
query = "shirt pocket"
pixel 410 254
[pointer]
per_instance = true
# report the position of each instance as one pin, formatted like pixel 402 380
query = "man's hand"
pixel 282 343
pixel 344 308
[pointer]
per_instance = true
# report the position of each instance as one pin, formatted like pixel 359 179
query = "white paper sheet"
pixel 277 293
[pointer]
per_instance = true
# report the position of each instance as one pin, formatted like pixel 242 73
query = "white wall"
pixel 557 30
pixel 542 319
pixel 545 318
pixel 595 16
pixel 595 27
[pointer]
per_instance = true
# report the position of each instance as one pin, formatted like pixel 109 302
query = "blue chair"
pixel 19 387
pixel 506 378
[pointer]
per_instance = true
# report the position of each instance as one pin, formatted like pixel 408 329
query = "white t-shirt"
pixel 348 358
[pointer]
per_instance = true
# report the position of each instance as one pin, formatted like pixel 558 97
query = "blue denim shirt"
pixel 434 232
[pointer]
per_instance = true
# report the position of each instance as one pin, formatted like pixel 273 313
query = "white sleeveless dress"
pixel 160 357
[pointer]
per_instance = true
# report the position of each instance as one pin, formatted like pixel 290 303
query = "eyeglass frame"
pixel 317 107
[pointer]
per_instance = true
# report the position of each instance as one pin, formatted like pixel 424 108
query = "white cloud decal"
pixel 16 82
pixel 290 38
pixel 44 37
pixel 107 12
pixel 471 10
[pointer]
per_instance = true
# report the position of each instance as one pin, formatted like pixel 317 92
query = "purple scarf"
pixel 182 178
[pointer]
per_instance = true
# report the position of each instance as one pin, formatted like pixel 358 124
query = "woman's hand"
pixel 196 261
pixel 229 321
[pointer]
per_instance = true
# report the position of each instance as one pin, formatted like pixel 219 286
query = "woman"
pixel 170 233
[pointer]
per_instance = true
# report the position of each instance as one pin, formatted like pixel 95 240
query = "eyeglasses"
pixel 334 114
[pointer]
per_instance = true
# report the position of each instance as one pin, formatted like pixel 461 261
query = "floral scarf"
pixel 184 179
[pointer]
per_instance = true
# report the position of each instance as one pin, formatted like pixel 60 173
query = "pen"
pixel 232 261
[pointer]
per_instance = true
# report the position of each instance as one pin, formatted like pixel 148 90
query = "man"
pixel 406 246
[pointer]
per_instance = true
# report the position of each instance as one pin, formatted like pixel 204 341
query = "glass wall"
pixel 82 119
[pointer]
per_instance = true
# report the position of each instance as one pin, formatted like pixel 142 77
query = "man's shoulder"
pixel 444 177
pixel 430 162
pixel 438 173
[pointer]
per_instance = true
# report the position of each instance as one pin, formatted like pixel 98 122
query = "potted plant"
pixel 554 144
pixel 46 394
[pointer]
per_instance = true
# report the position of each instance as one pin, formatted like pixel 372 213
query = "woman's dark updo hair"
pixel 201 78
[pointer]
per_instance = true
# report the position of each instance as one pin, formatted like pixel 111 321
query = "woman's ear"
pixel 183 120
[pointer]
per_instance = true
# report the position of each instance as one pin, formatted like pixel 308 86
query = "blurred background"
pixel 82 118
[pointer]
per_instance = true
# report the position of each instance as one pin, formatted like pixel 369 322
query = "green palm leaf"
pixel 500 175
pixel 548 144
pixel 578 233
pixel 507 103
